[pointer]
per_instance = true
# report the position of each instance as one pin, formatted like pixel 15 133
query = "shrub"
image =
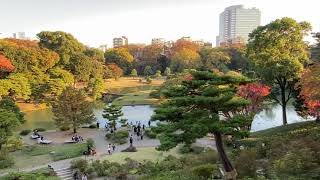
pixel 6 160
pixel 245 163
pixel 40 129
pixel 120 137
pixel 25 132
pixel 148 80
pixel 64 128
pixel 14 143
pixel 130 149
pixel 93 126
pixel 80 164
pixel 149 133
pixel 90 143
pixel 185 148
pixel 205 171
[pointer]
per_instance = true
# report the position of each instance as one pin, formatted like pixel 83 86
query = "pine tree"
pixel 193 110
pixel 112 113
pixel 72 109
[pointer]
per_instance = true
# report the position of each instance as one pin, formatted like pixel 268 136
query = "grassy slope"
pixel 286 129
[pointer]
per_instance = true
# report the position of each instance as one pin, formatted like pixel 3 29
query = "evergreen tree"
pixel 193 110
pixel 134 73
pixel 167 72
pixel 72 109
pixel 112 113
pixel 147 71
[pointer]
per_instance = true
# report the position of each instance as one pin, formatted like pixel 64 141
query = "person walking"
pixel 109 149
pixel 113 147
pixel 84 177
pixel 138 135
pixel 143 127
pixel 149 123
pixel 141 136
pixel 98 124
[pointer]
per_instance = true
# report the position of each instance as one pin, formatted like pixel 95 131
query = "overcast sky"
pixel 96 22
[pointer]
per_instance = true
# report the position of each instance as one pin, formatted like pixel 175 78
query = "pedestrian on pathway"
pixel 149 123
pixel 141 136
pixel 131 140
pixel 76 175
pixel 98 124
pixel 134 129
pixel 138 134
pixel 143 126
pixel 109 149
pixel 84 177
pixel 139 128
pixel 113 147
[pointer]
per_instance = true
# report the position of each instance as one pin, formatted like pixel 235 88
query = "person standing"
pixel 143 126
pixel 84 177
pixel 113 147
pixel 98 124
pixel 138 135
pixel 131 140
pixel 149 123
pixel 141 136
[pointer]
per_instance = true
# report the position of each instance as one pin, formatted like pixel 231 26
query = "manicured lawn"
pixel 136 98
pixel 147 153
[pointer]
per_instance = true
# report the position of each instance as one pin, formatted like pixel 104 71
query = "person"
pixel 139 128
pixel 138 134
pixel 149 123
pixel 98 124
pixel 131 140
pixel 42 138
pixel 93 152
pixel 134 129
pixel 141 136
pixel 113 147
pixel 76 175
pixel 84 177
pixel 109 149
pixel 143 127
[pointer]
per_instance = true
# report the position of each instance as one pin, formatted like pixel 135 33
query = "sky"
pixel 97 22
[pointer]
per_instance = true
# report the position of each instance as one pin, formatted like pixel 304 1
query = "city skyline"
pixel 101 21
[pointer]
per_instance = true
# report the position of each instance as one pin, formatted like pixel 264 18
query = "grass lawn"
pixel 136 98
pixel 147 153
pixel 300 126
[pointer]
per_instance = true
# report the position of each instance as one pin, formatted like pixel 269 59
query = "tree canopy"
pixel 277 52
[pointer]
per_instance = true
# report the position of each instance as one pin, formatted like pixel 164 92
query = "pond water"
pixel 269 117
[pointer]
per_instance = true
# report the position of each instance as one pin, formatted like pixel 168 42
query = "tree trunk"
pixel 0 146
pixel 74 130
pixel 230 171
pixel 284 105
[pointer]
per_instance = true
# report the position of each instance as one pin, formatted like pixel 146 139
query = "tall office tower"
pixel 236 23
pixel 158 41
pixel 121 41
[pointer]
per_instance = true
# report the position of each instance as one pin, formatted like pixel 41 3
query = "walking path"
pixel 101 145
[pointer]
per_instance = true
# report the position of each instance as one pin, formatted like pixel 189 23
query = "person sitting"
pixel 93 152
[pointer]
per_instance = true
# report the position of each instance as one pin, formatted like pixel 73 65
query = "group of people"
pixel 40 139
pixel 111 148
pixel 77 138
pixel 138 130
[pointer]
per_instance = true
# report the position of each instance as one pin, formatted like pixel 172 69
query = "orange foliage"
pixel 5 64
pixel 23 43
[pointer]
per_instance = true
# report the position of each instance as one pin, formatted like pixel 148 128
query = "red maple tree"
pixel 5 64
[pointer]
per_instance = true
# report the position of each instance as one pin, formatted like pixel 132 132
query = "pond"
pixel 269 117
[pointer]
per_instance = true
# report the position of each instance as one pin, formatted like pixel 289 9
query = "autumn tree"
pixel 62 43
pixel 185 59
pixel 310 83
pixel 119 56
pixel 112 113
pixel 277 52
pixel 193 109
pixel 72 109
pixel 214 58
pixel 113 71
pixel 151 53
pixel 5 64
pixel 183 44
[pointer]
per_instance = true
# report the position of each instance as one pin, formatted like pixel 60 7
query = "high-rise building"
pixel 20 35
pixel 121 41
pixel 236 23
pixel 158 41
pixel 103 47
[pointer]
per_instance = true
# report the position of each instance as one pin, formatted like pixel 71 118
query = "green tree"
pixel 214 58
pixel 158 74
pixel 8 121
pixel 62 43
pixel 194 108
pixel 95 54
pixel 20 86
pixel 148 71
pixel 5 87
pixel 97 87
pixel 81 67
pixel 60 79
pixel 167 72
pixel 277 52
pixel 9 105
pixel 112 113
pixel 134 73
pixel 72 109
pixel 121 57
